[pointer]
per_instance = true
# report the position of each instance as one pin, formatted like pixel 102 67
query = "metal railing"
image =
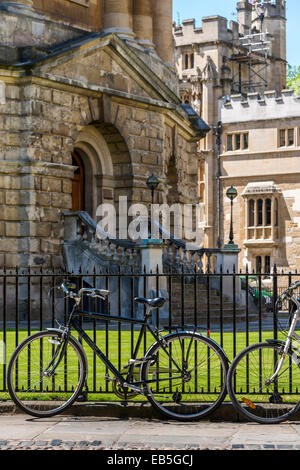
pixel 235 309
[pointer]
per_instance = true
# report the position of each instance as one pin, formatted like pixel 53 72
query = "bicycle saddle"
pixel 153 303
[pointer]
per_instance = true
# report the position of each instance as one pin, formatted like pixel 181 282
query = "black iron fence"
pixel 235 309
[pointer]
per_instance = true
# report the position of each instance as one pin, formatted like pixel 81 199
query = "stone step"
pixel 212 311
pixel 190 289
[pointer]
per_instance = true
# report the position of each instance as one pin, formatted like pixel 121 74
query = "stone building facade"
pixel 266 213
pixel 253 144
pixel 89 109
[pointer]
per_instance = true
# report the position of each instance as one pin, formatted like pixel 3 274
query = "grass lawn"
pixel 120 357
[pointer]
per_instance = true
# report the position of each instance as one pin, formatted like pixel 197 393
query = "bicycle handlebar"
pixel 294 286
pixel 91 292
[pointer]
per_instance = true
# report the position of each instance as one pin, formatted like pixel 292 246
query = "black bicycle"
pixel 183 374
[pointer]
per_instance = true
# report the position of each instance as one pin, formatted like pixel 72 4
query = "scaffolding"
pixel 250 57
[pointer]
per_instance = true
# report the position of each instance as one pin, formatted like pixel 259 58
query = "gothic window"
pixel 192 60
pixel 268 210
pixel 229 143
pixel 263 264
pixel 290 137
pixel 261 212
pixel 258 264
pixel 276 213
pixel 251 213
pixel 282 138
pixel 286 137
pixel 267 264
pixel 188 60
pixel 238 141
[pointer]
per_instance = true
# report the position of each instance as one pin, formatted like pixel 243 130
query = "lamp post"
pixel 152 183
pixel 231 194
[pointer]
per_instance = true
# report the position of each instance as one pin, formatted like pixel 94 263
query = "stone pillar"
pixel 152 262
pixel 142 21
pixel 162 29
pixel 228 258
pixel 118 17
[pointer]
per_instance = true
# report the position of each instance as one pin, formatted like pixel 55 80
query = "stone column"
pixel 162 29
pixel 142 21
pixel 118 17
pixel 208 114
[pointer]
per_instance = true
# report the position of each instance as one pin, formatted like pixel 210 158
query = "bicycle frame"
pixel 287 344
pixel 73 322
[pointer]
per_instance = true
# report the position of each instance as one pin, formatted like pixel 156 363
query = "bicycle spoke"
pixel 199 390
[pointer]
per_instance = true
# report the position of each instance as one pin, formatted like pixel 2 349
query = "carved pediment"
pixel 105 63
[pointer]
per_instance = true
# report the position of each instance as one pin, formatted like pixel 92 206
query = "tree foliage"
pixel 293 78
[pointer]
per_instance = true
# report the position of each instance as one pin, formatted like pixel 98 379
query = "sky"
pixel 187 9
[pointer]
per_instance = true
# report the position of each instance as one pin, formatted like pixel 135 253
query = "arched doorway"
pixel 78 186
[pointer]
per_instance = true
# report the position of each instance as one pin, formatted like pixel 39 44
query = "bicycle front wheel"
pixel 185 376
pixel 249 388
pixel 32 388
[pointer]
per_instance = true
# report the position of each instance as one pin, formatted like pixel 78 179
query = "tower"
pixel 274 23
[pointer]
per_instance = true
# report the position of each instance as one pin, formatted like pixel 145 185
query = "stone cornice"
pixel 259 177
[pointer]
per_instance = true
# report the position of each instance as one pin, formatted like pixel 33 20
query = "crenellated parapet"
pixel 214 28
pixel 260 107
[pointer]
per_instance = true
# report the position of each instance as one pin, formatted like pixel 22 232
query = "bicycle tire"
pixel 247 388
pixel 32 391
pixel 201 388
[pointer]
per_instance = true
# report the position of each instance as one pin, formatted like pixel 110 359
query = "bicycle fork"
pixel 59 353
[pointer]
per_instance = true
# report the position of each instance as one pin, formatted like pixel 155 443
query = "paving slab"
pixel 98 433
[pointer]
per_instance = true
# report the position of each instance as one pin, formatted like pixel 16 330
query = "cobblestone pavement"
pixel 95 433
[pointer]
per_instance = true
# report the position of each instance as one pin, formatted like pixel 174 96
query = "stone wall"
pixel 40 127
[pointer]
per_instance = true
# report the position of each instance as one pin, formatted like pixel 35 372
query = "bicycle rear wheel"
pixel 186 376
pixel 249 390
pixel 29 385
